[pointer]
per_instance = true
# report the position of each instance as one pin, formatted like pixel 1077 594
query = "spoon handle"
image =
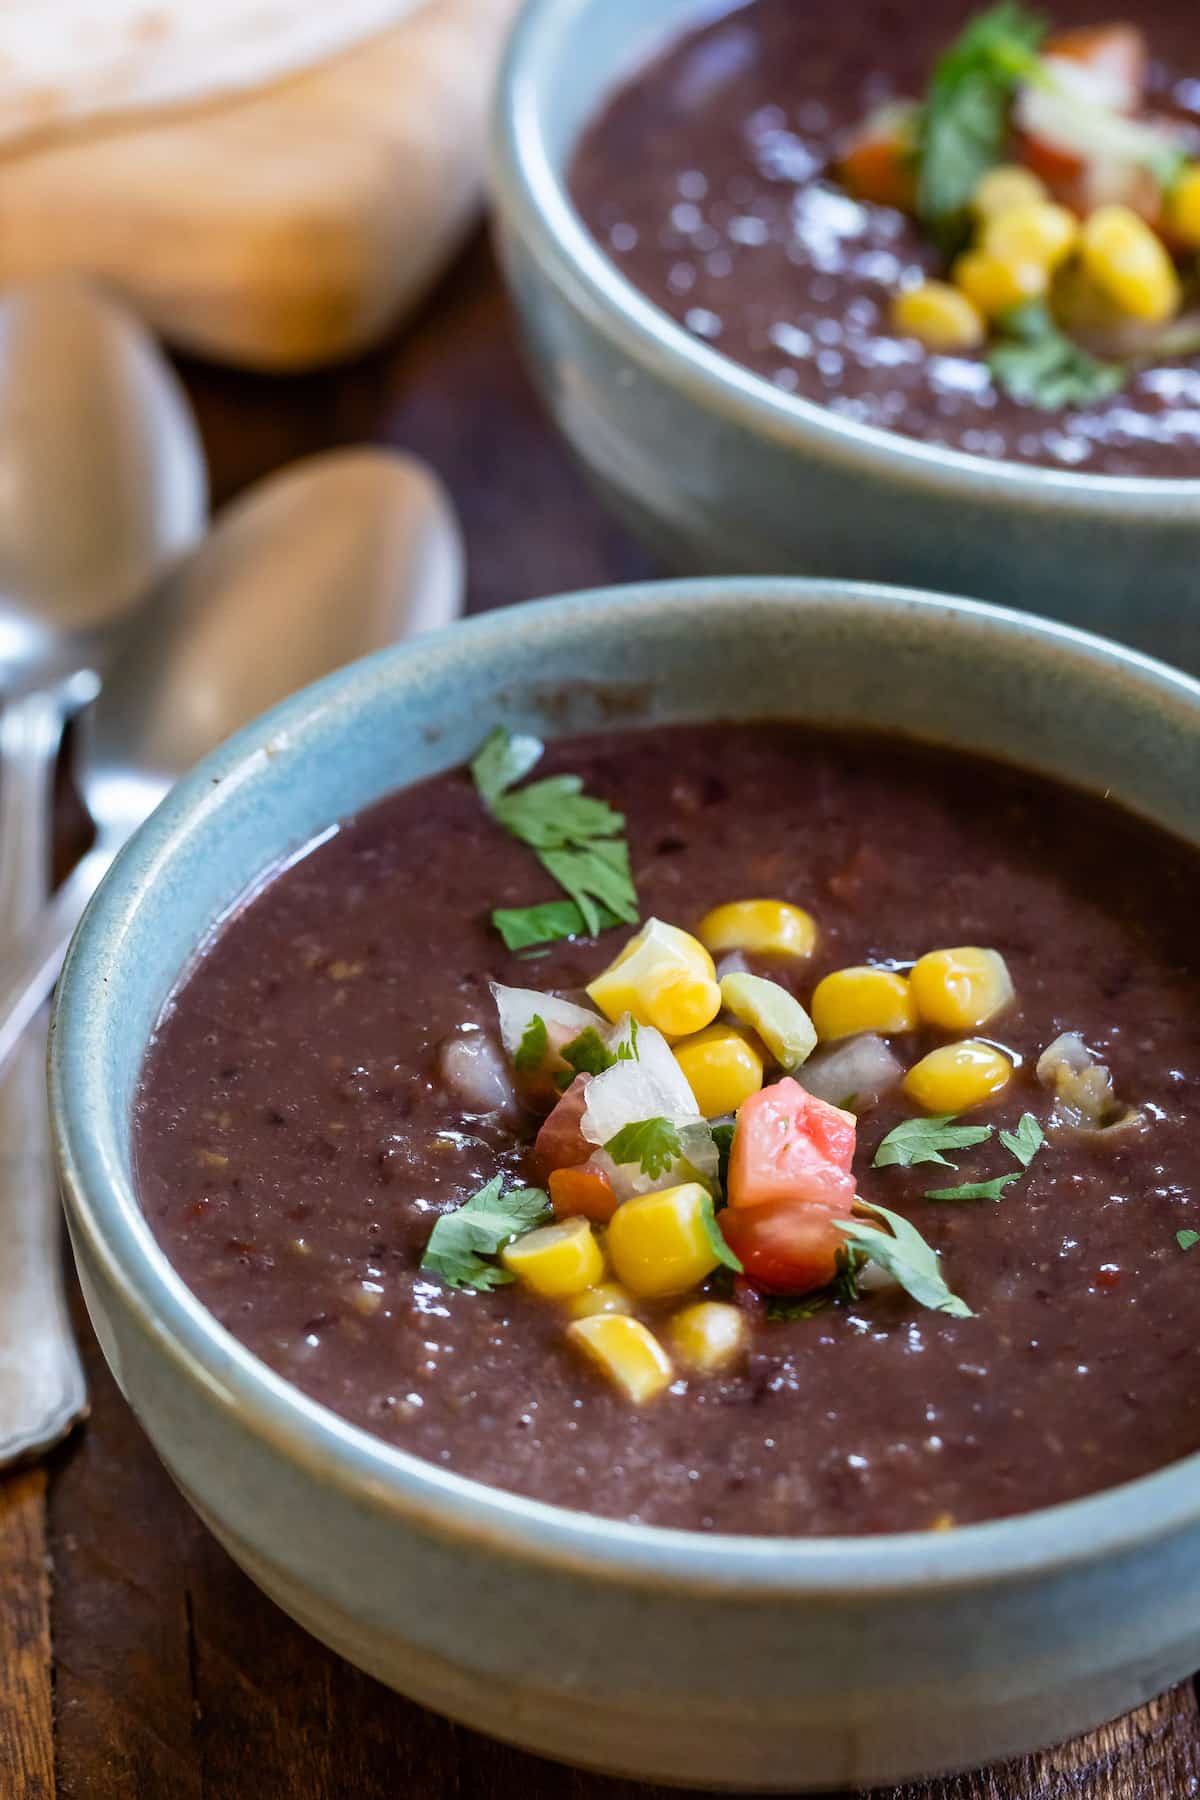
pixel 30 959
pixel 42 1390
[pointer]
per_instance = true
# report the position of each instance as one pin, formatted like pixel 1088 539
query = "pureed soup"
pixel 834 1175
pixel 979 229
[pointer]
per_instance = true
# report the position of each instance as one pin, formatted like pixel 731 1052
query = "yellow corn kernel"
pixel 862 999
pixel 775 1014
pixel 955 1077
pixel 1005 186
pixel 661 1243
pixel 1037 232
pixel 608 1297
pixel 939 317
pixel 1183 206
pixel 960 990
pixel 664 977
pixel 709 1336
pixel 556 1260
pixel 626 1351
pixel 721 1068
pixel 996 283
pixel 765 927
pixel 1129 263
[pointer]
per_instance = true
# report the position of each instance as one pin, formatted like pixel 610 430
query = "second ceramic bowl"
pixel 754 1663
pixel 721 472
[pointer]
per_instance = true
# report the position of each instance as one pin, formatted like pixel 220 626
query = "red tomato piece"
pixel 560 1144
pixel 877 161
pixel 582 1191
pixel 791 1148
pixel 785 1249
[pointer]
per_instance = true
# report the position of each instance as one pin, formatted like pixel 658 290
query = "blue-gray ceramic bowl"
pixel 722 472
pixel 761 1663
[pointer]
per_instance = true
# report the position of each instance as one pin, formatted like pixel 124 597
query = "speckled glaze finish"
pixel 739 1662
pixel 719 470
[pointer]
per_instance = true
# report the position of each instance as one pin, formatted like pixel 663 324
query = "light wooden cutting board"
pixel 285 229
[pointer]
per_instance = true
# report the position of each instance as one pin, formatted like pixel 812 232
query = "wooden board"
pixel 285 229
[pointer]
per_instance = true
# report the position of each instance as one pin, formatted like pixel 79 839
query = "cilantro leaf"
pixel 480 1228
pixel 502 761
pixel 974 1190
pixel 964 116
pixel 588 1054
pixel 523 927
pixel 1037 364
pixel 716 1239
pixel 653 1143
pixel 923 1140
pixel 598 879
pixel 531 1051
pixel 1025 1142
pixel 906 1257
pixel 722 1137
pixel 627 1049
pixel 1185 1239
pixel 549 814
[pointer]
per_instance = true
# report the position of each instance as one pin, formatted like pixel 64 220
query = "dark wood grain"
pixel 174 1678
pixel 26 1716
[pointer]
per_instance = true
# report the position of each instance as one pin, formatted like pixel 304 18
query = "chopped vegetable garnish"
pixel 531 1051
pixel 652 1143
pixel 1037 363
pixel 775 1014
pixel 963 119
pixel 1025 1142
pixel 722 1136
pixel 923 1140
pixel 588 1054
pixel 903 1254
pixel 842 1290
pixel 974 1190
pixel 461 1240
pixel 1185 1239
pixel 720 1249
pixel 576 837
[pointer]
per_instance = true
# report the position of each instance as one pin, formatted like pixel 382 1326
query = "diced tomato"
pixel 560 1144
pixel 793 1148
pixel 785 1248
pixel 582 1191
pixel 1117 52
pixel 877 160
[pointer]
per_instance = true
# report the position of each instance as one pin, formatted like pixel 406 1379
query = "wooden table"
pixel 136 1662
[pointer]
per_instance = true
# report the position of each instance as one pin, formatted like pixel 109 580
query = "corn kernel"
pixel 1037 232
pixel 960 990
pixel 664 977
pixel 608 1297
pixel 765 927
pixel 862 999
pixel 1005 186
pixel 709 1336
pixel 955 1077
pixel 556 1260
pixel 626 1351
pixel 1183 206
pixel 721 1068
pixel 939 317
pixel 1125 259
pixel 995 283
pixel 660 1244
pixel 775 1014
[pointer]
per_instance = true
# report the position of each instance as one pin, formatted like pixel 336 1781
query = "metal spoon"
pixel 102 483
pixel 336 557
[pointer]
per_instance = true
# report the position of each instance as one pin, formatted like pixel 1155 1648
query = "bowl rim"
pixel 532 194
pixel 105 1215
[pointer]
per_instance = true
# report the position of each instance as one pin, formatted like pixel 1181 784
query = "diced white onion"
pixel 474 1070
pixel 732 963
pixel 564 1020
pixel 1079 110
pixel 853 1073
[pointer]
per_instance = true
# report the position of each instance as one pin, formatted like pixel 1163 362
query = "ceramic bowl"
pixel 719 471
pixel 713 1660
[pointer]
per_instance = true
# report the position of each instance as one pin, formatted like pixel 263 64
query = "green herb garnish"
pixel 722 1137
pixel 964 116
pixel 1037 364
pixel 502 762
pixel 655 1144
pixel 1185 1239
pixel 974 1190
pixel 524 927
pixel 461 1240
pixel 531 1051
pixel 1025 1142
pixel 588 1054
pixel 716 1238
pixel 923 1140
pixel 906 1257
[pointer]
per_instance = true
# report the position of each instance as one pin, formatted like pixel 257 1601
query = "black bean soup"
pixel 326 1086
pixel 711 179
